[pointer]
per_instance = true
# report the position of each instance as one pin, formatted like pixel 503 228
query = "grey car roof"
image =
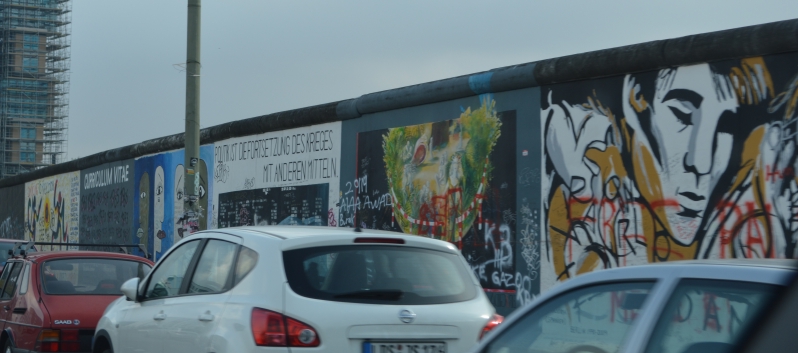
pixel 290 232
pixel 774 271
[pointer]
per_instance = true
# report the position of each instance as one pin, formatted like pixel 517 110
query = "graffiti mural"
pixel 158 221
pixel 444 180
pixel 106 202
pixel 689 162
pixel 283 177
pixel 52 210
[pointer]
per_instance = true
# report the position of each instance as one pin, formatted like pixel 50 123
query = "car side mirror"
pixel 131 289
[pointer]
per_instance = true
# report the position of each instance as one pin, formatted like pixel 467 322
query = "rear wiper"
pixel 387 294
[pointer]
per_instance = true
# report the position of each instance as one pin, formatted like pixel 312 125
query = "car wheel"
pixel 107 350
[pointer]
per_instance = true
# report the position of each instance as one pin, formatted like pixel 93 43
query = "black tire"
pixel 7 346
pixel 106 349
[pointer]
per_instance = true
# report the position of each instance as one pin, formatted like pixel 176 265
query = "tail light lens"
pixel 301 335
pixel 268 328
pixel 58 341
pixel 495 320
pixel 277 330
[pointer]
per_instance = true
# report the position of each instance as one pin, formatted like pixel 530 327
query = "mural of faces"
pixel 686 162
pixel 179 192
pixel 144 210
pixel 158 209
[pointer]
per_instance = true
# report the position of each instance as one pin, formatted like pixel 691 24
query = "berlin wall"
pixel 662 151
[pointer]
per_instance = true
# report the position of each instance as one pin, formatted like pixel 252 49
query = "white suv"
pixel 307 289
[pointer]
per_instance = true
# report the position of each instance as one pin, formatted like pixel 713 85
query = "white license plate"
pixel 405 347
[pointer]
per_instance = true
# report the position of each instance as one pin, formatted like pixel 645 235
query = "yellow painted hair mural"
pixel 445 178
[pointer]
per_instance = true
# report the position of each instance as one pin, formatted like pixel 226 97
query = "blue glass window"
pixel 28 133
pixel 31 42
pixel 27 156
pixel 27 146
pixel 30 64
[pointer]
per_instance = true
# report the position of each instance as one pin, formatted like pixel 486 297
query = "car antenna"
pixel 358 230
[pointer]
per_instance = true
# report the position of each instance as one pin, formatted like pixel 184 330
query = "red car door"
pixel 9 287
pixel 25 318
pixel 8 297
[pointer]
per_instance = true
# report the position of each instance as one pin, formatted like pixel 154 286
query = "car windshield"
pixel 89 275
pixel 379 275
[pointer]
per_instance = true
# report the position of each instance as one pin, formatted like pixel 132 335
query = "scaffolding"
pixel 34 83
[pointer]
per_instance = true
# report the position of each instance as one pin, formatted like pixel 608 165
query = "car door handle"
pixel 206 317
pixel 20 310
pixel 159 316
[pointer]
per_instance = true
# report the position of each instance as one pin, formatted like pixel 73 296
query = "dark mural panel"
pixel 106 205
pixel 12 214
pixel 453 180
pixel 689 162
pixel 289 205
pixel 465 171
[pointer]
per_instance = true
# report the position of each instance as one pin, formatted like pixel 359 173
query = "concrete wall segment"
pixel 769 38
pixel 764 39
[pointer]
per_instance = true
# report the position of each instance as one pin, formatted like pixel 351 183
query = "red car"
pixel 51 301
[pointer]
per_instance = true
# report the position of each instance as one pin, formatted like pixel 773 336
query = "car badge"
pixel 407 316
pixel 76 322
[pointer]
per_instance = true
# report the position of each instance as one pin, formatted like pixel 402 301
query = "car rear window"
pixel 378 274
pixel 89 276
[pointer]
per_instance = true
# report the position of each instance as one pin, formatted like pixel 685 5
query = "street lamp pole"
pixel 192 110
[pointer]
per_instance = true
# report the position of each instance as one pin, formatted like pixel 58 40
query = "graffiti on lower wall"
pixel 452 180
pixel 106 202
pixel 285 177
pixel 688 162
pixel 288 205
pixel 52 210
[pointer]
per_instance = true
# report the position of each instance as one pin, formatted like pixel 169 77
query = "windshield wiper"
pixel 387 294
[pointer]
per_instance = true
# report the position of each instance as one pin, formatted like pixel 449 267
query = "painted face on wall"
pixel 203 194
pixel 693 153
pixel 158 209
pixel 144 210
pixel 179 192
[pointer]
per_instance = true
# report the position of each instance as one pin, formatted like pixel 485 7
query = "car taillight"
pixel 58 341
pixel 301 335
pixel 494 321
pixel 48 340
pixel 277 330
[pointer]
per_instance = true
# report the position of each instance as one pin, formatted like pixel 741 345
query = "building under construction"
pixel 34 83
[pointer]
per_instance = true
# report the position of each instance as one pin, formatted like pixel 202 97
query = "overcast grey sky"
pixel 261 57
